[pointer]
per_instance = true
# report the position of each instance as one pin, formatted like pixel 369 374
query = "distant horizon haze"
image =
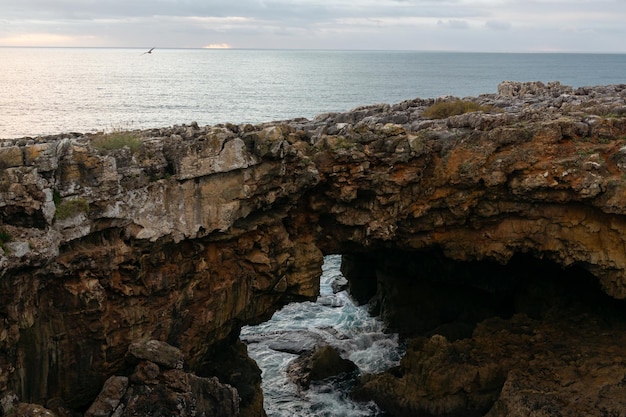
pixel 574 26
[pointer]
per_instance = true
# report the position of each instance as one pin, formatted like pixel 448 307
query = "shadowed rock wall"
pixel 203 229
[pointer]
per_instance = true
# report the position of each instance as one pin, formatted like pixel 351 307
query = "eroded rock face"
pixel 318 364
pixel 204 229
pixel 527 339
pixel 159 386
pixel 559 365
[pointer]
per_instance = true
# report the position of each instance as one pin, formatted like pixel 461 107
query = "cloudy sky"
pixel 451 25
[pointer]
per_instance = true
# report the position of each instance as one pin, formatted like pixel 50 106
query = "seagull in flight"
pixel 148 52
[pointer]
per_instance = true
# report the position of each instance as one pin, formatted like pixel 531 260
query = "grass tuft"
pixel 116 140
pixel 70 208
pixel 444 109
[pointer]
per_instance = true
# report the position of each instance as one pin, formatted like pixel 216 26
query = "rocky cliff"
pixel 184 234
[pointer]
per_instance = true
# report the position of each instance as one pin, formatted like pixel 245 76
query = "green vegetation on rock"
pixel 71 208
pixel 443 109
pixel 116 140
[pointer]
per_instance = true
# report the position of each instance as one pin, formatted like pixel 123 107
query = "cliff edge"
pixel 184 234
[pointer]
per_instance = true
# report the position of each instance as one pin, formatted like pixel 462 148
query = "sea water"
pixel 60 90
pixel 335 320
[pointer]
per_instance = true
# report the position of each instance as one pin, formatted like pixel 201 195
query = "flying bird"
pixel 148 52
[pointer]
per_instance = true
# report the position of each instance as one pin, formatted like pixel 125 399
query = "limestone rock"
pixel 204 229
pixel 155 391
pixel 296 342
pixel 315 365
pixel 230 363
pixel 158 352
pixel 30 410
pixel 566 361
pixel 109 398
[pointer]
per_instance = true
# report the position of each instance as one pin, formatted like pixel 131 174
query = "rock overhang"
pixel 202 229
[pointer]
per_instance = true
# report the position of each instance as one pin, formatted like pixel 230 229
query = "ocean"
pixel 332 319
pixel 57 90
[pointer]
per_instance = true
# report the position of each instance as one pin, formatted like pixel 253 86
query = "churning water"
pixel 335 320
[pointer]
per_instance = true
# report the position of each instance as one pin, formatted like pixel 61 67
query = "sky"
pixel 429 25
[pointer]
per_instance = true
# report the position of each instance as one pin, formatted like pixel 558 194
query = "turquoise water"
pixel 56 90
pixel 333 319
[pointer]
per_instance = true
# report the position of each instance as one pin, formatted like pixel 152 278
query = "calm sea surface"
pixel 56 90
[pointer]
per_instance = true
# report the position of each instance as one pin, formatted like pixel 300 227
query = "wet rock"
pixel 229 362
pixel 316 365
pixel 566 360
pixel 339 284
pixel 296 342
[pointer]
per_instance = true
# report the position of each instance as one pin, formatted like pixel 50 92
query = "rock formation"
pixel 318 364
pixel 200 230
pixel 159 387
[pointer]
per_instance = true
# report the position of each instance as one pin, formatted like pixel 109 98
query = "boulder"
pixel 318 364
pixel 158 352
pixel 170 391
pixel 109 398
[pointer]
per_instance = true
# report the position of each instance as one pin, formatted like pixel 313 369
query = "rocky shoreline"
pixel 180 236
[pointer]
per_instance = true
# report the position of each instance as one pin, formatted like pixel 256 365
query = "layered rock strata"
pixel 201 230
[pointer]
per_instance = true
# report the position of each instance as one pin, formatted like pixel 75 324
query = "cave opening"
pixel 425 292
pixel 507 323
pixel 529 337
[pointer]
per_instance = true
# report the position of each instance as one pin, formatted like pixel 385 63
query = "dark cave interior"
pixel 424 292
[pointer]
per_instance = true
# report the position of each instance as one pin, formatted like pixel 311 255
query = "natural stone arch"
pixel 204 229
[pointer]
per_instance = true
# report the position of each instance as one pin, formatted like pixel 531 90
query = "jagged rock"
pixel 205 229
pixel 555 356
pixel 146 373
pixel 339 284
pixel 318 364
pixel 183 395
pixel 30 410
pixel 535 88
pixel 520 367
pixel 109 398
pixel 230 363
pixel 169 392
pixel 158 352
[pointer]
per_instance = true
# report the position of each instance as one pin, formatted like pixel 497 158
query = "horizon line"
pixel 315 49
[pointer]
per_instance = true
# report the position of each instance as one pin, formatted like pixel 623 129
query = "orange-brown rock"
pixel 564 364
pixel 204 229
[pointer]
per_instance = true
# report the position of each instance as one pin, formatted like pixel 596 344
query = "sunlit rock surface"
pixel 201 230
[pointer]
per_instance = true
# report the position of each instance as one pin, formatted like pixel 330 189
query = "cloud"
pixel 454 24
pixel 217 46
pixel 497 25
pixel 36 39
pixel 354 24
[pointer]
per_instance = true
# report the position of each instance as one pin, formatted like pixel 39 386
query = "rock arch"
pixel 204 229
